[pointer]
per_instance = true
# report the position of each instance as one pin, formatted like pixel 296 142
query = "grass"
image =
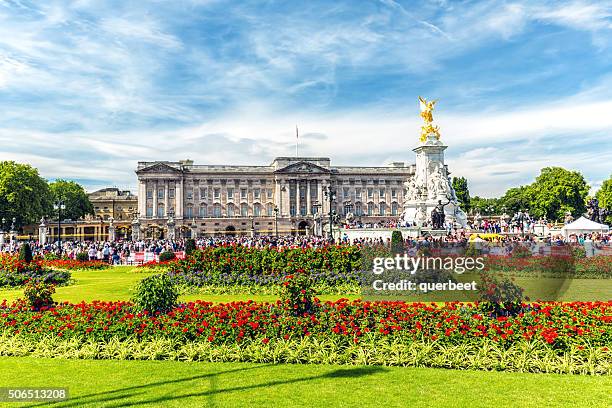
pixel 179 384
pixel 118 283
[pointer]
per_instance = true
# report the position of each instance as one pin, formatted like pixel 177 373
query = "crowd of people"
pixel 118 252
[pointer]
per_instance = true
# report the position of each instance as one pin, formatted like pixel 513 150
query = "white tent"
pixel 583 226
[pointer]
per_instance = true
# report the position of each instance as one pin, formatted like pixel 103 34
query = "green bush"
pixel 82 257
pixel 166 256
pixel 190 246
pixel 299 293
pixel 25 253
pixel 397 242
pixel 156 294
pixel 39 294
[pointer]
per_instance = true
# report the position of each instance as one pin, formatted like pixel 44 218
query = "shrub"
pixel 39 294
pixel 298 293
pixel 82 257
pixel 25 253
pixel 156 294
pixel 190 246
pixel 397 242
pixel 166 256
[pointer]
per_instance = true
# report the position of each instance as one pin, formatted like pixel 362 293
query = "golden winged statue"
pixel 426 113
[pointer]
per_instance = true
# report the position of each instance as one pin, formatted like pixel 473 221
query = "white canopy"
pixel 583 226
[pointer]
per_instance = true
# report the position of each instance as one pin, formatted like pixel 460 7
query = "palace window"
pixel 393 193
pixel 358 209
pixel 203 193
pixel 217 193
pixel 370 208
pixel 370 193
pixel 394 209
pixel 303 210
pixel 243 193
pixel 257 210
pixel 270 210
pixel 292 210
pixel 382 208
pixel 149 210
pixel 257 193
pixel 270 193
pixel 381 193
pixel 230 210
pixel 345 192
pixel 244 210
pixel 217 210
pixel 357 193
pixel 230 193
pixel 171 193
pixel 203 210
pixel 160 193
pixel 160 210
pixel 149 194
pixel 190 194
pixel 189 211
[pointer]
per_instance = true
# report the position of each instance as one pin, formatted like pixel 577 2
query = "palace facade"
pixel 291 195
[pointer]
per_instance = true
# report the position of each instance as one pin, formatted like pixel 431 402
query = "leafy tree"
pixel 515 199
pixel 460 185
pixel 604 195
pixel 24 195
pixel 557 191
pixel 484 206
pixel 74 197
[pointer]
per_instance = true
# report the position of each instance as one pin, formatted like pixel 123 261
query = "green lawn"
pixel 176 384
pixel 118 283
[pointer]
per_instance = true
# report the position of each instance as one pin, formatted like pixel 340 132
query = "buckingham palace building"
pixel 290 196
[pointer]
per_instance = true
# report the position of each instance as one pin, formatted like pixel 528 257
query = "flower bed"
pixel 343 331
pixel 599 267
pixel 14 272
pixel 69 264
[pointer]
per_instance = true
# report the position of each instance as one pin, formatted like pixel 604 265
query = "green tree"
pixel 460 185
pixel 557 191
pixel 604 195
pixel 24 195
pixel 484 206
pixel 74 197
pixel 515 199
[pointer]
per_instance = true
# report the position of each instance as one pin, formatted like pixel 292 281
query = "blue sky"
pixel 88 88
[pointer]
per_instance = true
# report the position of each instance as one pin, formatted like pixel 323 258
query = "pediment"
pixel 303 167
pixel 158 168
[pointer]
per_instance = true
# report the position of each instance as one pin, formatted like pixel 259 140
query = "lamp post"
pixel 59 206
pixel 276 221
pixel 316 207
pixel 12 231
pixel 330 194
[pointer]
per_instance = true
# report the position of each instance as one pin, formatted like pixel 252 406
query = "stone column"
pixel 135 229
pixel 155 199
pixel 308 203
pixel 178 194
pixel 298 201
pixel 171 228
pixel 142 197
pixel 111 230
pixel 166 199
pixel 42 233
